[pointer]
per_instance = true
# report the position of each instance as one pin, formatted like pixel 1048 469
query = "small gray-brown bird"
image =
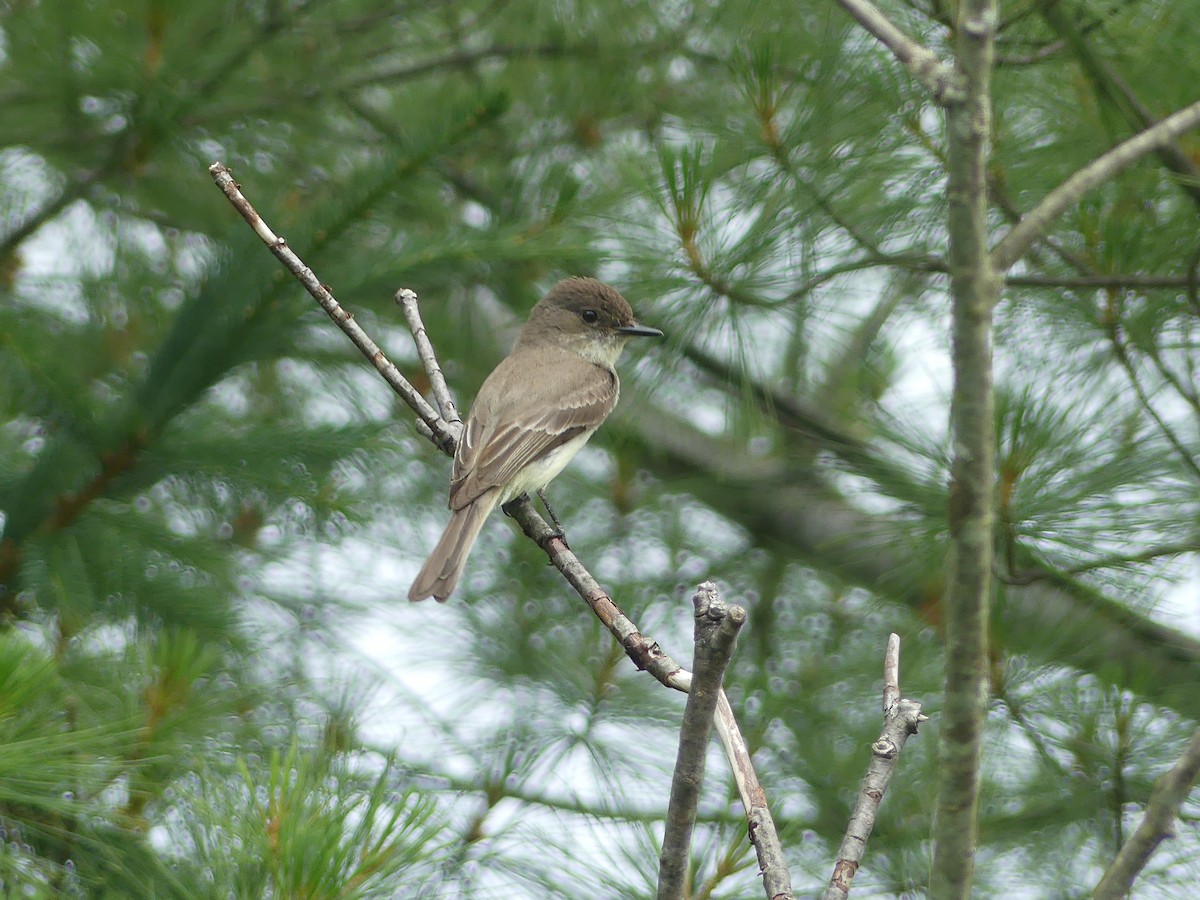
pixel 533 413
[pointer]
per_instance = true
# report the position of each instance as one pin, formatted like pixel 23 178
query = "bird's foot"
pixel 558 528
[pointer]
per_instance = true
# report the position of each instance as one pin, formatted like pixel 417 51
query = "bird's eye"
pixel 590 316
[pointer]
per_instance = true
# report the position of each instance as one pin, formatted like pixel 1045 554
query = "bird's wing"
pixel 509 429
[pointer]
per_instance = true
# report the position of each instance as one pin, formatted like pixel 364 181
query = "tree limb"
pixel 777 882
pixel 1035 223
pixel 716 631
pixel 648 656
pixel 925 65
pixel 407 300
pixel 900 719
pixel 1111 85
pixel 1158 823
pixel 444 436
pixel 1116 281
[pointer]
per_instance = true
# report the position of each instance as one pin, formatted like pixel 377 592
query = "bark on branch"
pixel 1158 824
pixel 925 65
pixel 443 435
pixel 900 719
pixel 716 630
pixel 1037 221
pixel 974 289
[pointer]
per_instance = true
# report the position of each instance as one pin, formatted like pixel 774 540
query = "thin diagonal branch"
pixel 646 654
pixel 456 59
pixel 891 675
pixel 1184 388
pixel 925 65
pixel 716 630
pixel 437 381
pixel 1117 281
pixel 1148 555
pixel 1170 790
pixel 1022 235
pixel 1121 352
pixel 1109 83
pixel 777 881
pixel 444 436
pixel 65 197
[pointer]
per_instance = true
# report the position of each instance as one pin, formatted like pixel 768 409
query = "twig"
pixel 900 719
pixel 891 675
pixel 777 882
pixel 443 436
pixel 1109 84
pixel 1041 54
pixel 646 654
pixel 716 631
pixel 1193 285
pixel 1150 554
pixel 456 59
pixel 437 381
pixel 1019 238
pixel 1158 823
pixel 65 197
pixel 925 65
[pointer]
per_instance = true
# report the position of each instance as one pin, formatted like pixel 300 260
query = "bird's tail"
pixel 441 571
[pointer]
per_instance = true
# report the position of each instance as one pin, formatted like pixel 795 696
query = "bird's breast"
pixel 541 471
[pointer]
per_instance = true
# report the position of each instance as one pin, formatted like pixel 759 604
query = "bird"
pixel 532 414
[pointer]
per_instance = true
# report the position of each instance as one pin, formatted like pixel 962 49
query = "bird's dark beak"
pixel 639 331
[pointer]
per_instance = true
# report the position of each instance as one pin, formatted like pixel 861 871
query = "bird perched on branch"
pixel 533 414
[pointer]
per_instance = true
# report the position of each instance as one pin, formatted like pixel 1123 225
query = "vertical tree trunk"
pixel 975 289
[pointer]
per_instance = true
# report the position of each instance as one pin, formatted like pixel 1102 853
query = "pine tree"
pixel 211 507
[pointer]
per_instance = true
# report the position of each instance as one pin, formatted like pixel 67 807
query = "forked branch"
pixel 900 719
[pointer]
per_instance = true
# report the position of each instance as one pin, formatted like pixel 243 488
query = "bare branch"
pixel 437 381
pixel 1022 235
pixel 646 654
pixel 1032 58
pixel 925 65
pixel 900 719
pixel 65 197
pixel 1150 554
pixel 443 436
pixel 777 882
pixel 1108 82
pixel 456 59
pixel 1121 352
pixel 891 674
pixel 716 631
pixel 1170 790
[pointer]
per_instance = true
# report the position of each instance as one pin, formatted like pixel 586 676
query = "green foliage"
pixel 307 825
